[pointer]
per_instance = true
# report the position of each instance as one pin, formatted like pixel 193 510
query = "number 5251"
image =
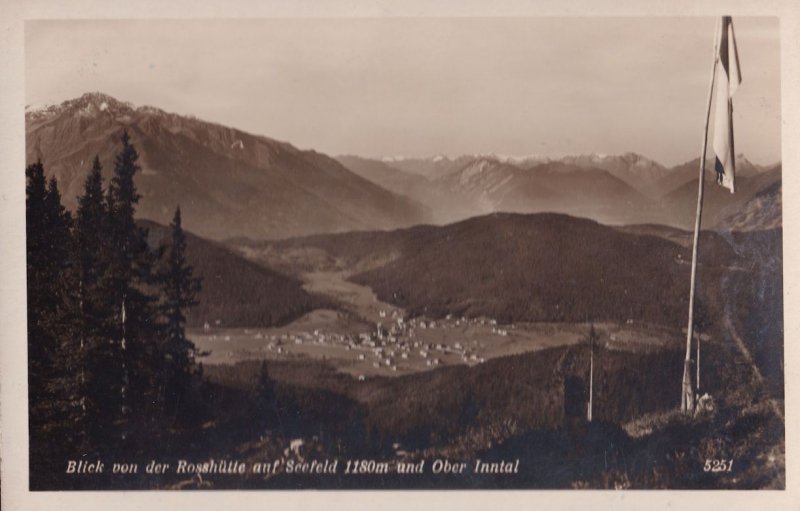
pixel 718 465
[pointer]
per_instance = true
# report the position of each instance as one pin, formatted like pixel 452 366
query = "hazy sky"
pixel 418 87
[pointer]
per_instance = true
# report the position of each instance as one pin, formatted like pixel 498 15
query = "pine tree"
pixel 54 391
pixel 66 381
pixel 131 276
pixel 101 360
pixel 39 342
pixel 59 222
pixel 180 290
pixel 48 243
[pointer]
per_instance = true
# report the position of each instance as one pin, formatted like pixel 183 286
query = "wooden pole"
pixel 687 397
pixel 697 362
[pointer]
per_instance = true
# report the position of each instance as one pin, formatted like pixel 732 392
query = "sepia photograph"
pixel 404 253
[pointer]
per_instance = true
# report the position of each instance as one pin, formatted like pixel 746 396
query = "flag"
pixel 728 80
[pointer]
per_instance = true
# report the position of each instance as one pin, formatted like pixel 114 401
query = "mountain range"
pixel 233 184
pixel 227 182
pixel 614 189
pixel 496 186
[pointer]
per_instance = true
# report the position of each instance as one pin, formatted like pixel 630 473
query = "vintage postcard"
pixel 403 253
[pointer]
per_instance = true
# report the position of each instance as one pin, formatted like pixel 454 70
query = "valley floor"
pixel 366 337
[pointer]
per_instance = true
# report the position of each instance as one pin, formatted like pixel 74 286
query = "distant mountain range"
pixel 614 189
pixel 233 184
pixel 454 189
pixel 228 182
pixel 547 187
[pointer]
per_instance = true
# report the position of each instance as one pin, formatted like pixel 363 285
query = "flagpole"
pixel 697 383
pixel 687 403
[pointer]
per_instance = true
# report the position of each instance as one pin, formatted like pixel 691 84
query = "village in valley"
pixel 398 344
pixel 393 345
pixel 363 336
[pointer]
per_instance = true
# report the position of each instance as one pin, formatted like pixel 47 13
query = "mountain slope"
pixel 718 202
pixel 396 180
pixel 444 205
pixel 639 172
pixel 228 182
pixel 762 212
pixel 234 290
pixel 430 168
pixel 543 268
